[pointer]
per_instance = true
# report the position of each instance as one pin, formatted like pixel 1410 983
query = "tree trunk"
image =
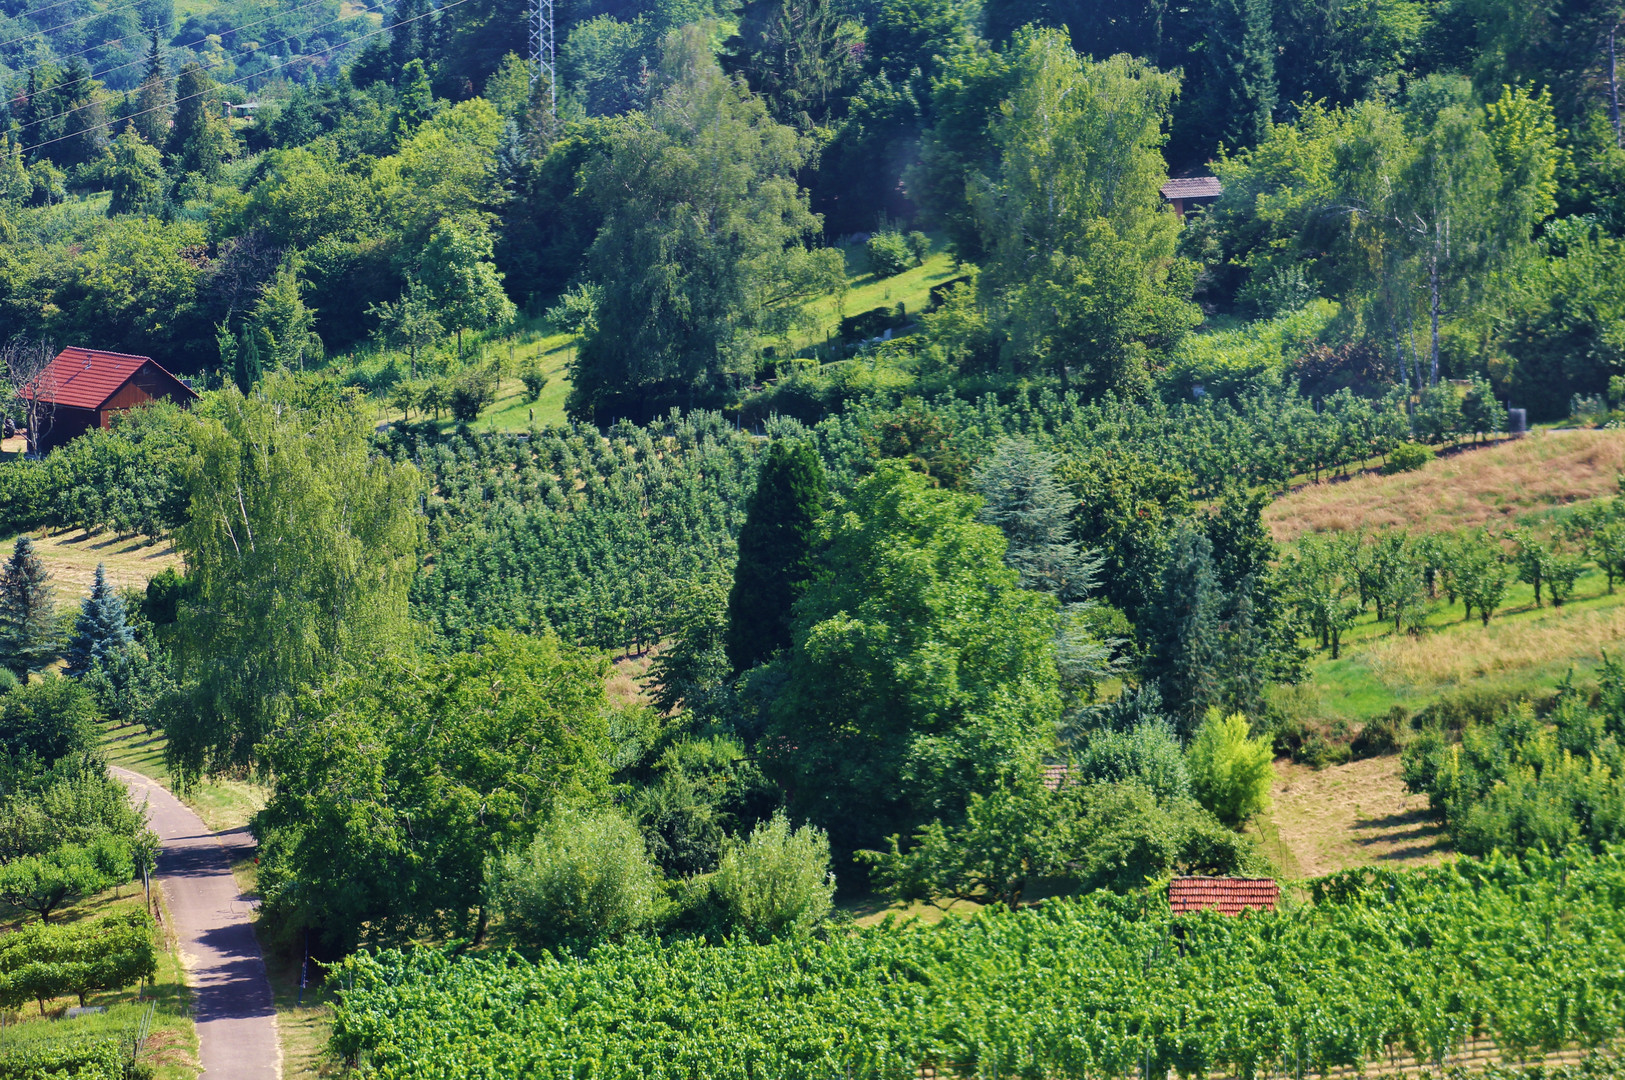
pixel 1433 313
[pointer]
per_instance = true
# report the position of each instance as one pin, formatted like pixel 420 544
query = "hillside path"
pixel 231 996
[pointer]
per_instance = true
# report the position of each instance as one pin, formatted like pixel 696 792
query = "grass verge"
pixel 1345 816
pixel 222 804
pixel 71 557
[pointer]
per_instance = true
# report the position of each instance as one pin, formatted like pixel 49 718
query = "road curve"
pixel 231 996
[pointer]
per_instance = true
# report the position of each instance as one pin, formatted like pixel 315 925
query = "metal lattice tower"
pixel 541 50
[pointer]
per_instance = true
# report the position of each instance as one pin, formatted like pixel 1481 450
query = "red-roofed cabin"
pixel 83 388
pixel 1227 896
pixel 1191 191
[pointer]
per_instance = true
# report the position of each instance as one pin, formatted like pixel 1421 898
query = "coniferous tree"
pixel 27 611
pixel 156 97
pixel 100 628
pixel 199 142
pixel 775 552
pixel 1183 631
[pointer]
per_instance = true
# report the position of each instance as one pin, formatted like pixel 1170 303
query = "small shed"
pixel 83 388
pixel 1191 191
pixel 1227 896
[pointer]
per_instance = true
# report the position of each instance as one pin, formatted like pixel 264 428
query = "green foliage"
pixel 100 628
pixel 1070 208
pixel 29 637
pixel 776 552
pixel 136 175
pixel 50 718
pixel 462 280
pixel 585 878
pixel 1148 754
pixel 889 254
pixel 1231 773
pixel 73 801
pixel 1406 457
pixel 299 551
pixel 920 671
pixel 702 253
pixel 400 781
pixel 1066 988
pixel 41 962
pixel 1521 782
pixel 42 883
pixel 1011 835
pixel 776 882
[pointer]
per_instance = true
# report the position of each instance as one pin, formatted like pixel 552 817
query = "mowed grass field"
pixel 71 557
pixel 1489 486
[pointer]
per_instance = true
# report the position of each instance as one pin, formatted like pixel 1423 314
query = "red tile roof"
pixel 1055 775
pixel 1227 896
pixel 86 378
pixel 1193 187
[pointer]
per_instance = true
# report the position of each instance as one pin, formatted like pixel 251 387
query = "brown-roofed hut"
pixel 1191 191
pixel 84 388
pixel 1227 896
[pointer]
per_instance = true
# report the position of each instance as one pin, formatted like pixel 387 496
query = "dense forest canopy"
pixel 1447 173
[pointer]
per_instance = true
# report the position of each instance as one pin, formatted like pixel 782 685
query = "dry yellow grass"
pixel 1351 815
pixel 1552 636
pixel 71 558
pixel 1487 486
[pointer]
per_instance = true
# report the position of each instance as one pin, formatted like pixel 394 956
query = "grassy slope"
pixel 1488 486
pixel 71 557
pixel 1360 814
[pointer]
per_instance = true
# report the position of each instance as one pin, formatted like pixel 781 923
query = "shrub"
pixel 776 883
pixel 889 254
pixel 1149 753
pixel 919 245
pixel 535 382
pixel 1129 836
pixel 1231 773
pixel 50 718
pixel 1384 735
pixel 1407 456
pixel 470 394
pixel 585 878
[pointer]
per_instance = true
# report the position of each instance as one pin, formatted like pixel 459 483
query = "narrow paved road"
pixel 231 997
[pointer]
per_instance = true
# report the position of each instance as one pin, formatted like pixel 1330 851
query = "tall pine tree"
pixel 100 629
pixel 1183 631
pixel 156 98
pixel 775 552
pixel 28 638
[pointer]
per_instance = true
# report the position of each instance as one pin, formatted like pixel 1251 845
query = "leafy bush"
pixel 105 1058
pixel 889 254
pixel 1406 457
pixel 1125 836
pixel 50 718
pixel 1231 773
pixel 44 882
pixel 585 878
pixel 1148 753
pixel 777 882
pixel 535 381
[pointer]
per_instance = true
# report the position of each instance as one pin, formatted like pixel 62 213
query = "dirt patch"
pixel 1490 487
pixel 627 675
pixel 1352 815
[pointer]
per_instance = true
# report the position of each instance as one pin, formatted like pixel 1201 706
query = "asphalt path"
pixel 231 996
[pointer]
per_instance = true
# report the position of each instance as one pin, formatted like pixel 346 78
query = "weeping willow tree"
pixel 300 547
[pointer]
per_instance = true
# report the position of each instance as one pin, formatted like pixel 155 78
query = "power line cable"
pixel 206 67
pixel 188 45
pixel 75 22
pixel 244 78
